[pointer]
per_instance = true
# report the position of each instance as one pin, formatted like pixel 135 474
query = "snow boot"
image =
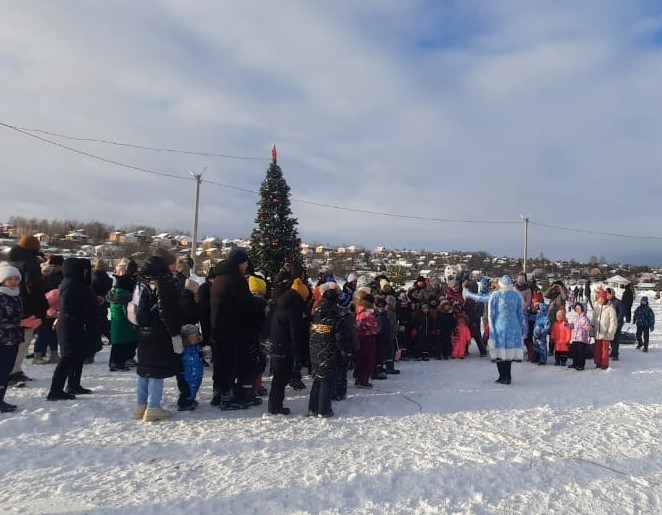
pixel 229 403
pixel 281 411
pixel 15 381
pixel 39 359
pixel 79 390
pixel 154 414
pixel 325 415
pixel 54 357
pixel 60 396
pixel 5 407
pixel 390 367
pixel 139 412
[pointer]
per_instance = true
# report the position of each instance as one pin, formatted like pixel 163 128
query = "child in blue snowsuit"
pixel 541 329
pixel 193 367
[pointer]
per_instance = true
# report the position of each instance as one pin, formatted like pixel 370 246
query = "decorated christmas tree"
pixel 275 240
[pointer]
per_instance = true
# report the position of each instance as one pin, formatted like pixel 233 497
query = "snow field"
pixel 441 437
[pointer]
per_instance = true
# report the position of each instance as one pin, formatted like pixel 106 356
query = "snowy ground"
pixel 440 438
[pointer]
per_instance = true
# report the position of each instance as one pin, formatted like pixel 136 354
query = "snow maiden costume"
pixel 506 318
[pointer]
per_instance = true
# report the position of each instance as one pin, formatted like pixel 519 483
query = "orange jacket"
pixel 561 335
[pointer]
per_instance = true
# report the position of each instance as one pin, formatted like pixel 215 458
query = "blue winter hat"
pixel 644 299
pixel 505 281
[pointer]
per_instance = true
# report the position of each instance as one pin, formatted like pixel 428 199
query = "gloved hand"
pixel 177 344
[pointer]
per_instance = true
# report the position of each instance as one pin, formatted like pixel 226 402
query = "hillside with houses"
pixel 100 241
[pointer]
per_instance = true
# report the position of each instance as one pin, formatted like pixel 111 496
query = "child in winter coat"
pixel 461 337
pixel 11 332
pixel 421 334
pixel 561 333
pixel 193 368
pixel 581 332
pixel 445 326
pixel 367 329
pixel 644 319
pixel 383 338
pixel 541 328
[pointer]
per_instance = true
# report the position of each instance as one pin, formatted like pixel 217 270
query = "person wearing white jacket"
pixel 605 323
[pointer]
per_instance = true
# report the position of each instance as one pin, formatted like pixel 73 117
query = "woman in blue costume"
pixel 505 311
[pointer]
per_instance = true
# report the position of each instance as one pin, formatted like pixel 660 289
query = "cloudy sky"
pixel 467 109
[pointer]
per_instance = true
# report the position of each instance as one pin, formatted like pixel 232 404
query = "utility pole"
pixel 194 243
pixel 526 240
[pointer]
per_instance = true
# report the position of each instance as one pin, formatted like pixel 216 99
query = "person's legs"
pixel 325 394
pixel 154 392
pixel 579 360
pixel 22 351
pixel 282 369
pixel 640 330
pixel 646 338
pixel 75 373
pixel 7 359
pixel 313 400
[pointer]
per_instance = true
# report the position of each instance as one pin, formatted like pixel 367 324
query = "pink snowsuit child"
pixel 367 329
pixel 461 337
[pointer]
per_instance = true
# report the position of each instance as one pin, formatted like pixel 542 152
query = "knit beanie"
pixel 257 285
pixel 644 299
pixel 165 255
pixel 328 286
pixel 7 271
pixel 299 287
pixel 189 329
pixel 238 256
pixel 29 243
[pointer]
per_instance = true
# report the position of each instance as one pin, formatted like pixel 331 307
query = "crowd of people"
pixel 159 321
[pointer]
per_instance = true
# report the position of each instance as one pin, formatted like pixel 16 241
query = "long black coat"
pixel 156 356
pixel 289 327
pixel 332 334
pixel 33 294
pixel 204 308
pixel 78 331
pixel 232 305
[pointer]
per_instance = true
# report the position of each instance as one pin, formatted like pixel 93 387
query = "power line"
pixel 369 212
pixel 600 233
pixel 26 132
pixel 93 156
pixel 142 147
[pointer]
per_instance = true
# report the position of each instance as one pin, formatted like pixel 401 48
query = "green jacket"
pixel 121 330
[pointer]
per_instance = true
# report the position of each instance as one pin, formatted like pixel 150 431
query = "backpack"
pixel 139 310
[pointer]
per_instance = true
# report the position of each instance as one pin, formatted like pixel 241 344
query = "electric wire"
pixel 93 156
pixel 29 133
pixel 141 147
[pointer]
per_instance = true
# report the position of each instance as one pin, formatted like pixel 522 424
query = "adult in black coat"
pixel 77 329
pixel 333 333
pixel 627 299
pixel 474 311
pixel 156 342
pixel 232 307
pixel 24 256
pixel 204 306
pixel 288 337
pixel 102 284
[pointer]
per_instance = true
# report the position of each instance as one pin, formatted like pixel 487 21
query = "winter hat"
pixel 7 271
pixel 238 256
pixel 299 287
pixel 189 329
pixel 602 294
pixel 505 282
pixel 351 278
pixel 363 281
pixel 257 285
pixel 57 260
pixel 420 279
pixel 29 243
pixel 644 299
pixel 330 285
pixel 166 256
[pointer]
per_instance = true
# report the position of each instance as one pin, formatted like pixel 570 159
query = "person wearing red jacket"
pixel 561 334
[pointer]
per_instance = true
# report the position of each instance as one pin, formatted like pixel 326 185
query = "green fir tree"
pixel 275 240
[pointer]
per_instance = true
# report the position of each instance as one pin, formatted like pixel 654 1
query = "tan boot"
pixel 140 412
pixel 153 414
pixel 39 359
pixel 54 357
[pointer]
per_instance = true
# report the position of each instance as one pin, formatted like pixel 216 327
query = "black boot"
pixel 60 396
pixel 390 367
pixel 5 407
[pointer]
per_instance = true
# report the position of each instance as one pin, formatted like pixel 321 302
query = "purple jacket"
pixel 581 329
